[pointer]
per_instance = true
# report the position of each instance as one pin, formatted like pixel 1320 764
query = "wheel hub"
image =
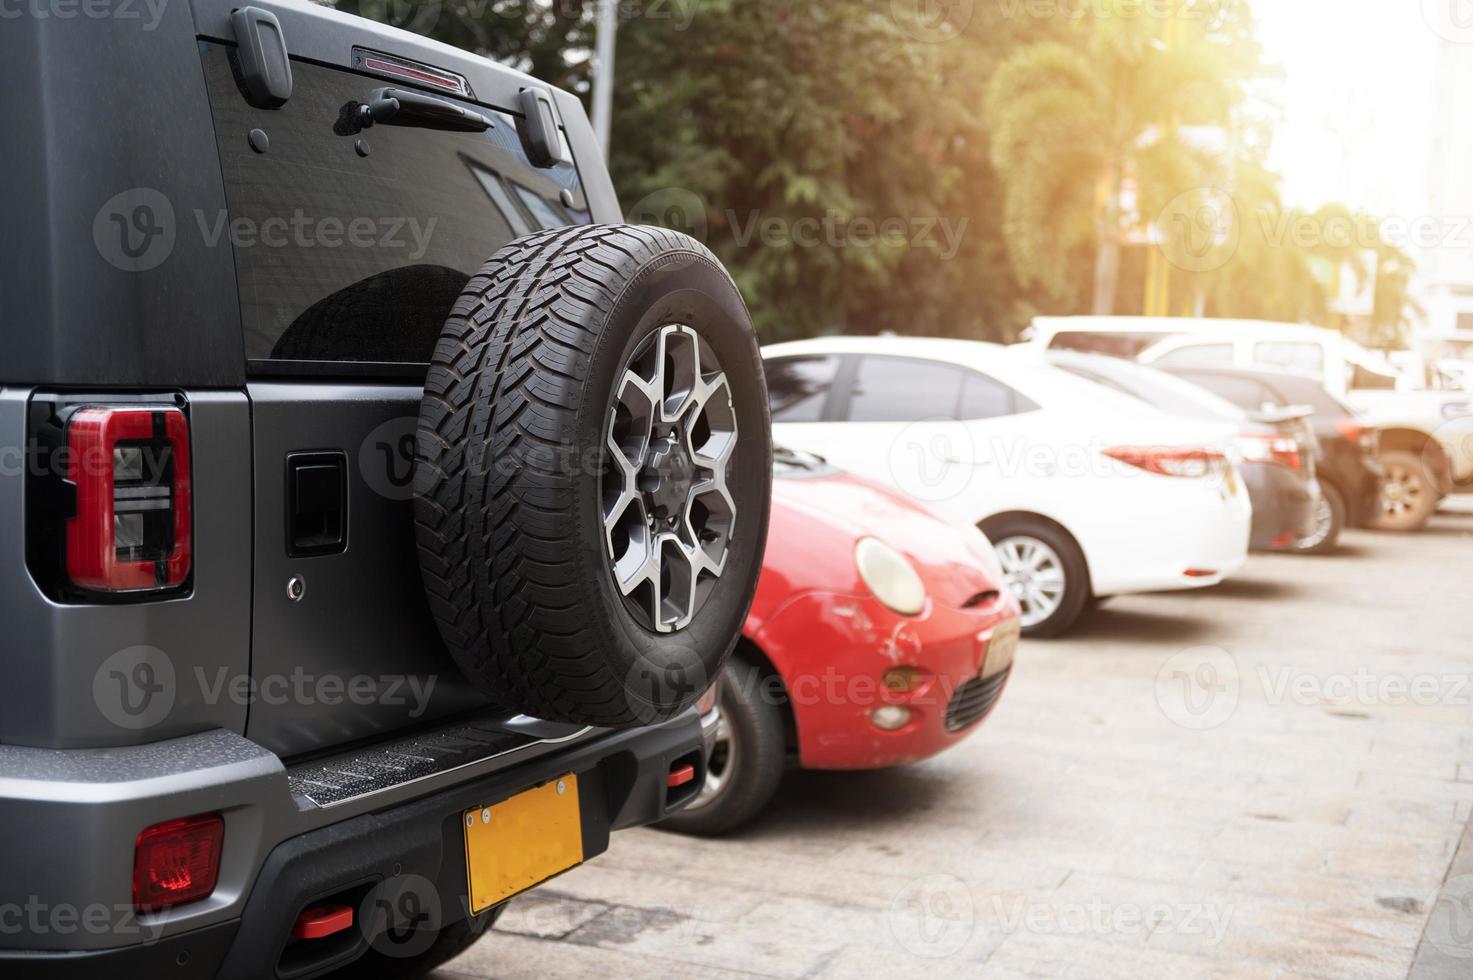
pixel 667 477
pixel 668 512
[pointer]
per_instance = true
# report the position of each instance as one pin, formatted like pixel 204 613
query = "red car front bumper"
pixel 834 651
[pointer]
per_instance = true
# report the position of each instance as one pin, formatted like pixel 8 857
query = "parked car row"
pixel 938 497
pixel 1424 437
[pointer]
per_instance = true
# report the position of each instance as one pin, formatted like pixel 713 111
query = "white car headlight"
pixel 890 576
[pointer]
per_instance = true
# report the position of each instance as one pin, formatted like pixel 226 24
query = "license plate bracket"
pixel 522 841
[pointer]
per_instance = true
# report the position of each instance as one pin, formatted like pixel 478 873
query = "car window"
pixel 1246 393
pixel 1119 344
pixel 798 387
pixel 904 389
pixel 1295 391
pixel 1164 391
pixel 1296 357
pixel 353 247
pixel 987 398
pixel 1193 355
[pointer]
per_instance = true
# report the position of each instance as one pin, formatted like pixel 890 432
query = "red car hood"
pixel 817 519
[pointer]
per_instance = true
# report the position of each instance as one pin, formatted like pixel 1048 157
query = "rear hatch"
pixel 350 246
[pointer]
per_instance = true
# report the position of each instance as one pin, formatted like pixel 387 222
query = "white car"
pixel 1084 492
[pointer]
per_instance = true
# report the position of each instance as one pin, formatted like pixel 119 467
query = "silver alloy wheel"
pixel 1035 573
pixel 722 766
pixel 668 514
pixel 1401 493
pixel 1324 520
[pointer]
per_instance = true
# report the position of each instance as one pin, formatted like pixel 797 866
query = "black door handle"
pixel 402 107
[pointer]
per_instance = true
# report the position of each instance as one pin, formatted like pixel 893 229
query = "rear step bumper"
pixel 415 848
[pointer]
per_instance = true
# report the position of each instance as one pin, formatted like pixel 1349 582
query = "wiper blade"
pixel 402 107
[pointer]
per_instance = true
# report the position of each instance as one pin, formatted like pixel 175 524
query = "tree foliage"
pixel 861 171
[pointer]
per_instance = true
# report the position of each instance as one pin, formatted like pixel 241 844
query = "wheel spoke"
pixel 668 510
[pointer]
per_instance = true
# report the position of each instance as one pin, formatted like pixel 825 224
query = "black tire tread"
pixel 501 403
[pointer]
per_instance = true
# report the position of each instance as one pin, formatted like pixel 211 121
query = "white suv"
pixel 1426 436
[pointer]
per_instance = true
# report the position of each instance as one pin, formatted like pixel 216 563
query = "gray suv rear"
pixel 375 507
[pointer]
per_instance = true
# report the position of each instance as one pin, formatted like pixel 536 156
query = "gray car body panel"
pixel 363 617
pixel 69 681
pixel 106 107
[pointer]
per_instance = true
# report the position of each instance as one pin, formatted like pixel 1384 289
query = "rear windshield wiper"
pixel 401 107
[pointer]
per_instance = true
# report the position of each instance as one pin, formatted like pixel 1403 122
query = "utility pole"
pixel 603 72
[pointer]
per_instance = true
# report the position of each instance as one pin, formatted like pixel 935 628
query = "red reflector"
pixel 130 466
pixel 323 921
pixel 177 862
pixel 1166 461
pixel 1283 540
pixel 1199 573
pixel 681 775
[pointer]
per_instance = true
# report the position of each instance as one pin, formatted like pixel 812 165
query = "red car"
pixel 880 635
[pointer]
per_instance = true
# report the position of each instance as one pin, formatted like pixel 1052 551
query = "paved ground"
pixel 1268 779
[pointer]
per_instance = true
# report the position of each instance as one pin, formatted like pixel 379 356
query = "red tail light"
pixel 1270 447
pixel 131 529
pixel 1364 436
pixel 1190 463
pixel 177 862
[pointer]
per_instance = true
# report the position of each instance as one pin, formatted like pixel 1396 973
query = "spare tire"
pixel 593 471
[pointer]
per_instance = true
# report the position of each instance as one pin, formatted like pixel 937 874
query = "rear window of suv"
pixel 352 246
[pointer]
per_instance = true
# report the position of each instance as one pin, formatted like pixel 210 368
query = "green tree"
pixel 1069 121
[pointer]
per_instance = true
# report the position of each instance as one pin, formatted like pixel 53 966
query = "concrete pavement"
pixel 1266 779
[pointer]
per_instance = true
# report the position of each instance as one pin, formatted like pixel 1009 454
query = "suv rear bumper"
pixel 414 848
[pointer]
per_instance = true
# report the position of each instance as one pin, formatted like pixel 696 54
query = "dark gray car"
pixel 376 506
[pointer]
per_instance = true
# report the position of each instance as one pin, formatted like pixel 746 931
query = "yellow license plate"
pixel 518 843
pixel 1001 648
